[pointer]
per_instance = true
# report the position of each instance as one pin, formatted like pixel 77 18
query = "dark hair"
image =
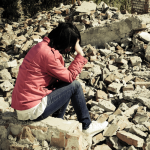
pixel 63 36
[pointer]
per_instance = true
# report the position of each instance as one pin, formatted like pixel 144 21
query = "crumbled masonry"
pixel 115 81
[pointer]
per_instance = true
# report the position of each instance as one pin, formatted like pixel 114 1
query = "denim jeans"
pixel 58 100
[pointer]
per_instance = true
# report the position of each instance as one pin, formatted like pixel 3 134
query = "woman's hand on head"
pixel 78 48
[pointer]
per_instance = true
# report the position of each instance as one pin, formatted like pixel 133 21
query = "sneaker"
pixel 95 128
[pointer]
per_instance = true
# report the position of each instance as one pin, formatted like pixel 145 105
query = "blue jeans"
pixel 58 100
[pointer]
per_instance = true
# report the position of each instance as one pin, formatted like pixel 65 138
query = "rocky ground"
pixel 115 81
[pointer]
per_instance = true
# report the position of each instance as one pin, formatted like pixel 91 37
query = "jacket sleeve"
pixel 57 70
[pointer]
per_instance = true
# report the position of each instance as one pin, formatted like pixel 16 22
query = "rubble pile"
pixel 115 81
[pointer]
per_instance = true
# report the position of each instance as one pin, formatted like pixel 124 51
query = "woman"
pixel 44 86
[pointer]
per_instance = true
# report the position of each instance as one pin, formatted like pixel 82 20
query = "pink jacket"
pixel 41 67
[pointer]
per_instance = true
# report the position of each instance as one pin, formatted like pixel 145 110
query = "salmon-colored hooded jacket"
pixel 41 67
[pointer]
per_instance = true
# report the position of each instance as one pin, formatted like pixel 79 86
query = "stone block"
pixel 101 95
pixel 139 118
pixel 14 71
pixel 117 112
pixel 112 68
pixel 5 75
pixel 98 138
pixel 121 61
pixel 103 117
pixel 110 130
pixel 145 36
pixel 144 100
pixel 115 142
pixel 106 105
pixel 130 139
pixel 26 136
pixel 85 75
pixel 17 147
pixel 27 45
pixel 95 70
pixel 93 58
pixel 63 135
pixel 128 78
pixel 88 66
pixel 135 61
pixel 110 78
pixel 73 141
pixel 6 86
pixel 3 105
pixel 121 121
pixel 128 87
pixel 114 87
pixel 103 146
pixel 130 111
pixel 142 74
pixel 137 132
pixel 141 84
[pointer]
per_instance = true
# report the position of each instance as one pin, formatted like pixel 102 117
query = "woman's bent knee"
pixel 76 84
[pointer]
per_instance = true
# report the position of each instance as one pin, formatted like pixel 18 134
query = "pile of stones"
pixel 115 80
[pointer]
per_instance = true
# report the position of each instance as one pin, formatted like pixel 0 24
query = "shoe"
pixel 95 128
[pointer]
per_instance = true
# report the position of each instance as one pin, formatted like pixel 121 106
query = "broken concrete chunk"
pixel 129 112
pixel 110 130
pixel 112 68
pixel 6 86
pixel 137 132
pixel 98 138
pixel 106 105
pixel 114 87
pixel 5 75
pixel 135 61
pixel 27 45
pixel 26 136
pixel 144 36
pixel 112 77
pixel 85 75
pixel 102 118
pixel 130 139
pixel 10 64
pixel 144 100
pixel 101 95
pixel 115 142
pixel 3 105
pixel 105 52
pixel 128 78
pixel 141 84
pixel 103 146
pixel 95 70
pixel 128 87
pixel 142 74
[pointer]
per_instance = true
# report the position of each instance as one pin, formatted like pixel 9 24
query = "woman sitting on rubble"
pixel 44 86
